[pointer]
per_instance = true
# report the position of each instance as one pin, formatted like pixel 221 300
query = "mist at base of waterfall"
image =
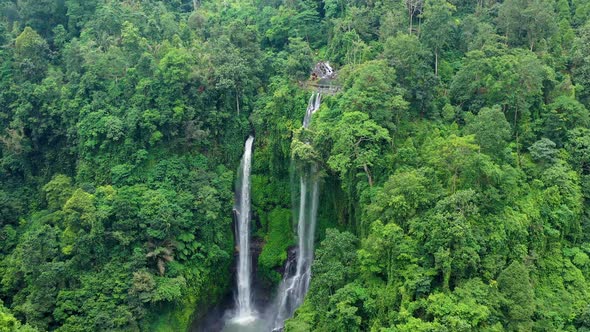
pixel 259 321
pixel 246 324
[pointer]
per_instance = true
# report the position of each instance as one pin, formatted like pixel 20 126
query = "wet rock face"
pixel 262 294
pixel 291 258
pixel 324 79
pixel 323 70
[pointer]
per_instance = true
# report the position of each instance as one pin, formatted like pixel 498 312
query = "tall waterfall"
pixel 244 310
pixel 295 285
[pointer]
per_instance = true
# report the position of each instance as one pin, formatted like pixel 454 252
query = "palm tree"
pixel 162 254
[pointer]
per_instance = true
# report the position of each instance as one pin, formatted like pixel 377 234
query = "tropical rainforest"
pixel 454 161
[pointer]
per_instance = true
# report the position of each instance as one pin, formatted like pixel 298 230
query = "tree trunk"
pixel 195 4
pixel 516 134
pixel 237 103
pixel 390 267
pixel 446 279
pixel 368 175
pixel 419 25
pixel 436 63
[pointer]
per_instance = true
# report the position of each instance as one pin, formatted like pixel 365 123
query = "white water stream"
pixel 244 310
pixel 293 288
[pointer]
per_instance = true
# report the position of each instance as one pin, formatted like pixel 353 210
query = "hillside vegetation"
pixel 455 160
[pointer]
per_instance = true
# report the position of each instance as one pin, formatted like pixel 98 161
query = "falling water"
pixel 324 70
pixel 244 311
pixel 294 286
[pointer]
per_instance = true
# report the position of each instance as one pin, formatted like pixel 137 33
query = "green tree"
pixel 453 157
pixel 31 52
pixel 299 61
pixel 413 7
pixel 79 12
pixel 358 144
pixel 387 252
pixel 544 151
pixel 491 130
pixel 334 266
pixel 527 22
pixel 581 64
pixel 42 15
pixel 438 27
pixel 8 323
pixel 451 239
pixel 402 197
pixel 515 286
pixel 58 191
pixel 345 314
pixel 514 80
pixel 411 61
pixel 579 148
pixel 371 89
pixel 564 114
pixel 234 74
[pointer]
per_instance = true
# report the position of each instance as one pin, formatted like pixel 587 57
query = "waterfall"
pixel 323 70
pixel 293 288
pixel 244 309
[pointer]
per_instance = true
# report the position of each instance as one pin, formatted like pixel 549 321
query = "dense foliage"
pixel 455 160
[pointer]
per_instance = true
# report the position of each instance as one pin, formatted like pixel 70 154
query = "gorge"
pixel 292 289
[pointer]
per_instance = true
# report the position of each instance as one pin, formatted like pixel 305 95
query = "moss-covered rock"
pixel 278 238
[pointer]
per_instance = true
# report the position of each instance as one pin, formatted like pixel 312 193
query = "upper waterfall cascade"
pixel 293 288
pixel 323 70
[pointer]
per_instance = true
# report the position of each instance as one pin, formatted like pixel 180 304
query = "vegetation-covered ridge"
pixel 454 160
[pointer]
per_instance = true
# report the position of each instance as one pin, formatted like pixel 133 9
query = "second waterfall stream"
pixel 297 276
pixel 295 282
